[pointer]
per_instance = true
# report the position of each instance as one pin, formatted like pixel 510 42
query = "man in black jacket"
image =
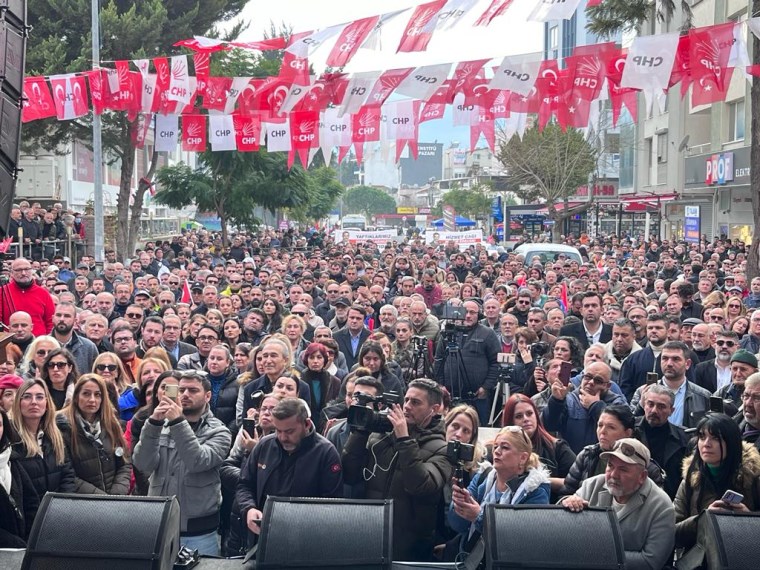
pixel 591 329
pixel 293 462
pixel 668 443
pixel 351 338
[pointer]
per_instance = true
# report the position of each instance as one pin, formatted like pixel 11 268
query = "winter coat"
pixel 98 471
pixel 676 447
pixel 478 357
pixel 412 471
pixel 17 509
pixel 226 400
pixel 45 473
pixel 616 364
pixel 329 387
pixel 695 495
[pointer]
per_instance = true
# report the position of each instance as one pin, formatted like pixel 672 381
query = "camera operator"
pixel 407 464
pixel 466 360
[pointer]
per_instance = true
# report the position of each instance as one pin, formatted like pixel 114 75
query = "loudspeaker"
pixel 730 540
pixel 325 533
pixel 14 12
pixel 92 532
pixel 540 537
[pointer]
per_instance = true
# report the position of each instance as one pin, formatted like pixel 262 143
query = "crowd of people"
pixel 289 365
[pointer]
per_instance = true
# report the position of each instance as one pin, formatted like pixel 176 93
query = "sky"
pixel 508 34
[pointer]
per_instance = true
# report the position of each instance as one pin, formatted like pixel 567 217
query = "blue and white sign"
pixel 691 227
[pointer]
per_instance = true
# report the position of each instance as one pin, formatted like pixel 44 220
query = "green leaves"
pixel 368 201
pixel 472 202
pixel 612 17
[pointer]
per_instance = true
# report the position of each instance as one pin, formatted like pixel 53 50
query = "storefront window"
pixel 740 232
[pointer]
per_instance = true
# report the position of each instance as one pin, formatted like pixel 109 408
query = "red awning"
pixel 650 198
pixel 559 206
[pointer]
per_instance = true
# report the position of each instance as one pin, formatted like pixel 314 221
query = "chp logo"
pixel 588 73
pixel 420 21
pixel 367 121
pixel 194 134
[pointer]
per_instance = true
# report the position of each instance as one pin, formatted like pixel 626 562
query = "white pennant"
pixel 179 81
pixel 461 114
pixel 374 40
pixel 547 10
pixel 238 84
pixel 400 120
pixel 739 56
pixel 423 81
pixel 143 66
pixel 221 132
pixel 517 73
pixel 148 89
pixel 452 13
pixel 278 136
pixel 649 63
pixel 305 46
pixel 166 133
pixel 357 91
pixel 295 95
pixel 334 130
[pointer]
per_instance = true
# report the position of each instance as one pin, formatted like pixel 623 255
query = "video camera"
pixel 452 313
pixel 460 453
pixel 373 419
pixel 539 349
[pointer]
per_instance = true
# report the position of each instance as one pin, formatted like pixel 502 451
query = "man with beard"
pixel 83 350
pixel 424 324
pixel 691 401
pixel 21 327
pixel 23 294
pixel 388 316
pixel 638 316
pixel 537 323
pixel 253 326
pixel 749 420
pixel 554 320
pixel 701 342
pixel 591 329
pixel 645 512
pixel 429 289
pixel 622 345
pixel 633 373
pixel 667 442
pixel 715 373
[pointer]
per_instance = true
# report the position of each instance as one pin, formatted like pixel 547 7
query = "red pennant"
pixel 247 132
pixel 98 88
pixel 620 96
pixel 38 103
pixel 366 125
pixel 497 8
pixel 203 45
pixel 593 3
pixel 187 296
pixel 682 65
pixel 710 88
pixel 160 103
pixel 140 129
pixel 202 65
pixel 386 84
pixel 466 76
pixel 497 103
pixel 69 96
pixel 194 133
pixel 709 52
pixel 350 39
pixel 483 124
pixel 263 45
pixel 216 92
pixel 419 30
pixel 304 134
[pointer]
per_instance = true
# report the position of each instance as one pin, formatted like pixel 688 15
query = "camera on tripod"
pixel 419 342
pixel 538 349
pixel 460 453
pixel 453 313
pixel 373 419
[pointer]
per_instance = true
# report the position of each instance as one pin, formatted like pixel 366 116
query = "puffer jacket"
pixel 45 473
pixel 186 463
pixel 587 465
pixel 226 400
pixel 412 471
pixel 97 473
pixel 695 495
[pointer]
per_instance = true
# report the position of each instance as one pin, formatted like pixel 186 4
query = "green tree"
pixel 549 165
pixel 368 201
pixel 232 184
pixel 324 191
pixel 61 42
pixel 473 202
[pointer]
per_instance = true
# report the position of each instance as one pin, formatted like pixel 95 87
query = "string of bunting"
pixel 300 113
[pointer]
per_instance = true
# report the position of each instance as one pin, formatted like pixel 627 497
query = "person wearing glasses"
pixel 749 420
pixel 517 478
pixel 743 365
pixel 716 373
pixel 23 294
pixel 59 373
pixel 208 338
pixel 644 511
pixel 94 440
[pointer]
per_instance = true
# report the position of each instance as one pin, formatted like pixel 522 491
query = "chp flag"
pixel 194 133
pixel 649 64
pixel 222 132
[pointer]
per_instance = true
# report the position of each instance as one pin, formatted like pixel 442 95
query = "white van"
pixel 547 252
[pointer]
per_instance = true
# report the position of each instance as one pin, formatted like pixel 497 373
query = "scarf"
pixel 5 470
pixel 91 431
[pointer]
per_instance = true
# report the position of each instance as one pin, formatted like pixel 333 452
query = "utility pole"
pixel 97 144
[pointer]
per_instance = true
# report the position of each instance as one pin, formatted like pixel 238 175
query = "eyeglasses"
pixel 207 338
pixel 58 365
pixel 629 451
pixel 717 318
pixel 599 380
pixel 23 270
pixel 749 397
pixel 42 352
pixel 300 314
pixel 133 315
pixel 734 306
pixel 109 367
pixel 59 291
pixel 33 398
pixel 726 343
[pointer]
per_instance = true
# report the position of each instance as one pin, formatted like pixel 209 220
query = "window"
pixel 662 147
pixel 649 149
pixel 736 121
pixel 553 38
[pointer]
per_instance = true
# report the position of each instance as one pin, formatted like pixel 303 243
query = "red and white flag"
pixel 419 30
pixel 38 103
pixel 161 103
pixel 365 127
pixel 236 88
pixel 402 120
pixel 304 45
pixel 464 72
pixel 424 81
pixel 452 13
pixel 247 132
pixel 517 73
pixel 435 107
pixel 710 51
pixel 222 132
pixel 710 89
pixel 179 81
pixel 194 133
pixel 334 131
pixel 387 84
pixel 202 44
pixel 548 10
pixel 304 135
pixel 263 45
pixel 187 296
pixel 649 62
pixel 140 127
pixel 166 133
pixel 357 92
pixel 97 95
pixel 620 96
pixel 495 9
pixel 215 94
pixel 202 66
pixel 70 96
pixel 350 40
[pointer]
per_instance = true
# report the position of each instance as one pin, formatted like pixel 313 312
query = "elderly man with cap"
pixel 743 365
pixel 644 511
pixel 686 327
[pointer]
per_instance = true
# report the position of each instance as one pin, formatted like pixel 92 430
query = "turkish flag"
pixel 386 84
pixel 140 129
pixel 194 133
pixel 710 88
pixel 215 94
pixel 295 69
pixel 464 78
pixel 69 96
pixel 483 123
pixel 247 132
pixel 682 65
pixel 263 45
pixel 38 103
pixel 201 44
pixel 304 135
pixel 435 106
pixel 620 96
pixel 128 97
pixel 419 30
pixel 710 50
pixel 350 40
pixel 497 8
pixel 96 80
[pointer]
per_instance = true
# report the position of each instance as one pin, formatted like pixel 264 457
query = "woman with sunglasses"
pixel 722 462
pixel 34 359
pixel 41 450
pixel 147 372
pixel 94 440
pixel 734 308
pixel 517 478
pixel 18 499
pixel 615 422
pixel 108 366
pixel 59 372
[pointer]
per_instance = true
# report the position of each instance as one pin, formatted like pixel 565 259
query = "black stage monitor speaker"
pixel 96 532
pixel 542 537
pixel 730 540
pixel 12 59
pixel 325 533
pixel 14 12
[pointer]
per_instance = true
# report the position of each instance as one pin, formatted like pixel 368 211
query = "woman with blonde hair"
pixel 35 355
pixel 108 365
pixel 147 371
pixel 294 327
pixel 41 450
pixel 94 439
pixel 159 353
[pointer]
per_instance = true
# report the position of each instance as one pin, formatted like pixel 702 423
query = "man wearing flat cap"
pixel 644 511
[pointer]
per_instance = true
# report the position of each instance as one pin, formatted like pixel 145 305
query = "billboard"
pixel 429 164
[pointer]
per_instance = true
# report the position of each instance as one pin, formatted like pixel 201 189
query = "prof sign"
pixel 719 168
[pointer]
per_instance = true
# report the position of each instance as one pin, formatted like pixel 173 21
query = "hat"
pixel 82 266
pixel 248 260
pixel 10 382
pixel 343 301
pixel 734 288
pixel 141 292
pixel 631 451
pixel 729 276
pixel 197 286
pixel 66 260
pixel 745 357
pixel 692 322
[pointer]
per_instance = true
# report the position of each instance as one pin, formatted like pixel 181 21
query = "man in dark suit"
pixel 174 347
pixel 351 338
pixel 726 344
pixel 591 329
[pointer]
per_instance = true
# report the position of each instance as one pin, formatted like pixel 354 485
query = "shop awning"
pixel 641 202
pixel 559 206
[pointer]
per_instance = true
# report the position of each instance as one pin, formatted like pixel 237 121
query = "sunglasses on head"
pixel 629 451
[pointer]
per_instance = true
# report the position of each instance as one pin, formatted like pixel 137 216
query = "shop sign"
pixel 719 168
pixel 691 226
pixel 406 210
